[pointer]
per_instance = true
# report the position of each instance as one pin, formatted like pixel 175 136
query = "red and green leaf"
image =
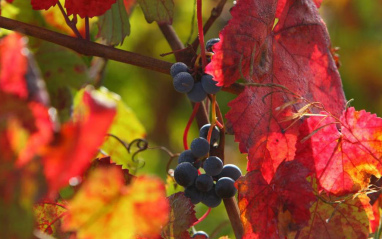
pixel 48 217
pixel 43 4
pixel 265 207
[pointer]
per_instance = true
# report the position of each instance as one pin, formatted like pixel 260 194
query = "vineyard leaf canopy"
pixel 288 191
pixel 103 202
pixel 345 158
pixel 291 64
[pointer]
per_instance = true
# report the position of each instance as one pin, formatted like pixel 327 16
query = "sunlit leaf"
pixel 106 208
pixel 344 158
pixel 283 47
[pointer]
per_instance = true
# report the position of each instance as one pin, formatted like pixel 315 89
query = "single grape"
pixel 200 235
pixel 200 147
pixel 185 174
pixel 209 85
pixel 211 199
pixel 204 182
pixel 183 82
pixel 230 170
pixel 193 194
pixel 187 156
pixel 225 187
pixel 177 68
pixel 215 136
pixel 210 43
pixel 197 94
pixel 213 165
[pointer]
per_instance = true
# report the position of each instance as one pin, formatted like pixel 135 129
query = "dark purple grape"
pixel 183 82
pixel 188 156
pixel 225 187
pixel 230 170
pixel 209 85
pixel 193 194
pixel 185 174
pixel 210 43
pixel 177 68
pixel 200 235
pixel 215 136
pixel 211 199
pixel 204 182
pixel 213 165
pixel 197 94
pixel 200 147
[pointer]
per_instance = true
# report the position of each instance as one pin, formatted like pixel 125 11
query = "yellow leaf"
pixel 106 208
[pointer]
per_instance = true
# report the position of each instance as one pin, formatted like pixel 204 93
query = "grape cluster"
pixel 184 82
pixel 202 187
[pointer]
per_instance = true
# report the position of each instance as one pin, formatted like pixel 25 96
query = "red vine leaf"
pixel 106 208
pixel 339 220
pixel 78 141
pixel 88 8
pixel 13 65
pixel 344 158
pixel 182 216
pixel 285 200
pixel 43 4
pixel 291 65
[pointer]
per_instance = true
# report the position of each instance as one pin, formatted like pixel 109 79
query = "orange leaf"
pixel 105 208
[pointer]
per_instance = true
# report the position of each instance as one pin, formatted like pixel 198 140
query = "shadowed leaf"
pixel 182 216
pixel 114 25
pixel 161 11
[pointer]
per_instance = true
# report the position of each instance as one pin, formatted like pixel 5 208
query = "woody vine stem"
pixel 183 54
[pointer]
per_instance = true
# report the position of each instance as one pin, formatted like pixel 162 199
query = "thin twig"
pixel 87 29
pixel 71 24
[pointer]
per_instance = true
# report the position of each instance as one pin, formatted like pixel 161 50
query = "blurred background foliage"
pixel 355 27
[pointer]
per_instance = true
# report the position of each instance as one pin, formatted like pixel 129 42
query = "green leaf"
pixel 61 66
pixel 161 11
pixel 114 25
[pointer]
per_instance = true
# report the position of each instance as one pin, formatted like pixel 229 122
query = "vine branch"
pixel 87 48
